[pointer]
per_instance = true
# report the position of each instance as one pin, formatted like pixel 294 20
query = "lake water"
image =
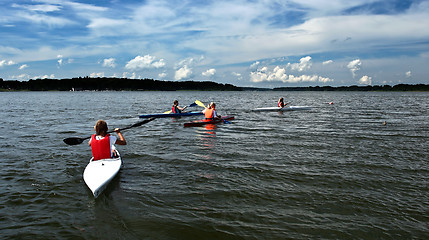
pixel 332 172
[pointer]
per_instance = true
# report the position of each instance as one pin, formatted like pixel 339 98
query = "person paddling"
pixel 102 143
pixel 210 112
pixel 176 108
pixel 280 103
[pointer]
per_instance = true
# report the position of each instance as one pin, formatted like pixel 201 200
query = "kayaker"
pixel 281 103
pixel 176 108
pixel 210 112
pixel 102 144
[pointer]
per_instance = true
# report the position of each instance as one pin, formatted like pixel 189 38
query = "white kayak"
pixel 277 109
pixel 98 174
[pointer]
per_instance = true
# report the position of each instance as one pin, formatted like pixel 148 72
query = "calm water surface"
pixel 333 172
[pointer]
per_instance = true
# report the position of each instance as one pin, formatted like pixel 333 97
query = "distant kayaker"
pixel 281 103
pixel 176 108
pixel 102 143
pixel 210 112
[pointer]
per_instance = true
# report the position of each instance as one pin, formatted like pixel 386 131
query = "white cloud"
pixel 189 62
pixel 365 80
pixel 6 63
pixel 147 61
pixel 52 76
pixel 209 73
pixel 39 7
pixel 254 65
pixel 162 75
pixel 94 74
pixel 327 62
pixel 279 74
pixel 308 78
pixel 44 19
pixel 127 75
pixel 60 60
pixel 183 73
pixel 21 77
pixel 23 66
pixel 237 75
pixel 304 64
pixel 354 66
pixel 109 62
pixel 408 74
pixel 258 76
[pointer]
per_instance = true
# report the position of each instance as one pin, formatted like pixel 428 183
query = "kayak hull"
pixel 279 109
pixel 204 121
pixel 98 174
pixel 165 115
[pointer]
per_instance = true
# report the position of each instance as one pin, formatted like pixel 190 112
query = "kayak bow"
pixel 98 174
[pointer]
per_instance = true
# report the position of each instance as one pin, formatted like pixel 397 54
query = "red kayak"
pixel 206 121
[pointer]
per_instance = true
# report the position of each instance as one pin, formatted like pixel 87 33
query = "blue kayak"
pixel 164 115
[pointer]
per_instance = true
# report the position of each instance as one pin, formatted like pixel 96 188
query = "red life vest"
pixel 209 113
pixel 174 109
pixel 281 104
pixel 100 148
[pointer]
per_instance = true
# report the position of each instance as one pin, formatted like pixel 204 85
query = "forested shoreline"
pixel 125 84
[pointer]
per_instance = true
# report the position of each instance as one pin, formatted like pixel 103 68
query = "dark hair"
pixel 175 102
pixel 101 128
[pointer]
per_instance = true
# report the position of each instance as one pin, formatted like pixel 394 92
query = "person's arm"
pixel 121 140
pixel 215 114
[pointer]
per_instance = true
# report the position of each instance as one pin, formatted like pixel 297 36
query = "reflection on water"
pixel 210 128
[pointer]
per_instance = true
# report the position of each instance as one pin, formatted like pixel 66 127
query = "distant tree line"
pixel 399 87
pixel 125 84
pixel 118 84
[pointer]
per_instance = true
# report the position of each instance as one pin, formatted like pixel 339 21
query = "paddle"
pixel 192 105
pixel 76 140
pixel 199 103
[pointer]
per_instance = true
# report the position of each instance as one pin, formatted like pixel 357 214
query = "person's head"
pixel 281 100
pixel 101 128
pixel 176 102
pixel 212 105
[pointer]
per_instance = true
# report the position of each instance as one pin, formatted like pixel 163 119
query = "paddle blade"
pixel 73 140
pixel 200 103
pixel 168 111
pixel 192 105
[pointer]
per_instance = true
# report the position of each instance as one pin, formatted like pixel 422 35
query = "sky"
pixel 258 43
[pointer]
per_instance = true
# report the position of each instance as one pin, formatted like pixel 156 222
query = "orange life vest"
pixel 209 113
pixel 100 148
